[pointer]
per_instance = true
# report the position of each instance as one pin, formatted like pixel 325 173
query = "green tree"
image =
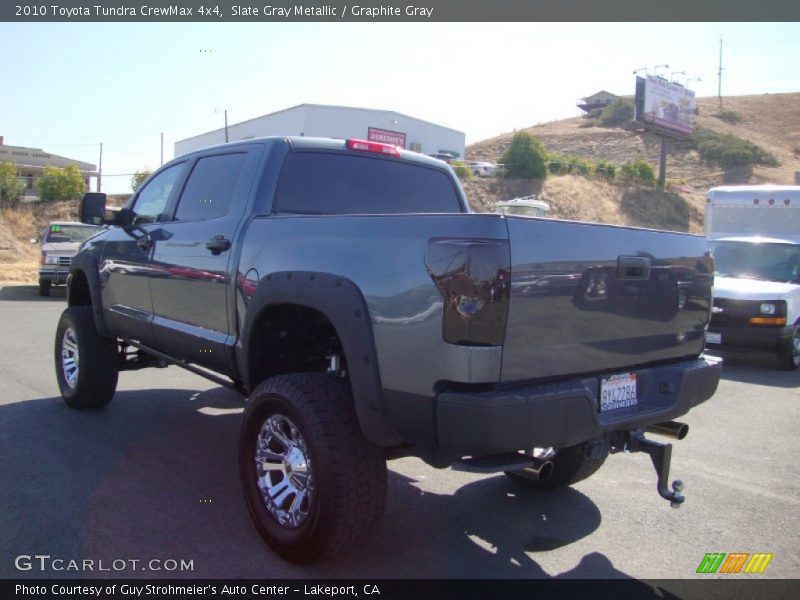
pixel 617 113
pixel 638 172
pixel 525 157
pixel 11 188
pixel 61 184
pixel 139 178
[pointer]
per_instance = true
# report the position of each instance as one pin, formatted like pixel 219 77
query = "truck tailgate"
pixel 590 298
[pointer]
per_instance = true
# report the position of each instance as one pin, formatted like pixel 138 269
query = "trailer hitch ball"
pixel 677 488
pixel 660 455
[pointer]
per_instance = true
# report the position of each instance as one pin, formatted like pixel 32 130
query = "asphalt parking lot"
pixel 153 476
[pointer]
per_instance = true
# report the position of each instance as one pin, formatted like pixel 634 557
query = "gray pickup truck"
pixel 346 288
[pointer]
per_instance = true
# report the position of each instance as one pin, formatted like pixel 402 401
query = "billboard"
pixel 665 105
pixel 386 137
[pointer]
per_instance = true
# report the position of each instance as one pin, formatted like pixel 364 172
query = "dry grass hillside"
pixel 580 199
pixel 771 120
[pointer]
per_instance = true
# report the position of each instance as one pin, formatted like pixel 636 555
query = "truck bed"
pixel 591 298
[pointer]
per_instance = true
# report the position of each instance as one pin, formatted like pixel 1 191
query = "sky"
pixel 71 86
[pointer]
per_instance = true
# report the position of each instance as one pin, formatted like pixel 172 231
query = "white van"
pixel 754 235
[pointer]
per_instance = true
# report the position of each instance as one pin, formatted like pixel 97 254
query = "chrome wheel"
pixel 284 473
pixel 70 359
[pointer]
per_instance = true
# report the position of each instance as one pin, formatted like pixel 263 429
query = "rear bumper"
pixel 56 276
pixel 752 336
pixel 566 413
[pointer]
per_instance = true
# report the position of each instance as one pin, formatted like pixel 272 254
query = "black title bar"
pixel 226 11
pixel 394 589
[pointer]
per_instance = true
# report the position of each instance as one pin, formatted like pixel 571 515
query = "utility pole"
pixel 719 74
pixel 162 147
pixel 100 170
pixel 224 110
pixel 662 163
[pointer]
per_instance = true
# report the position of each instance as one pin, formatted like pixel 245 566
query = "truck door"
pixel 125 267
pixel 192 265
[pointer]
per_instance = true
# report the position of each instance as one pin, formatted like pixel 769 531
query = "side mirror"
pixel 93 208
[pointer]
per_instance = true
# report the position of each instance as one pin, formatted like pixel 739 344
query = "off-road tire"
pixel 789 354
pixel 44 287
pixel 347 471
pixel 98 366
pixel 570 465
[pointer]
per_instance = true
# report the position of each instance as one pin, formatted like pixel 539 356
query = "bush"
pixel 606 170
pixel 729 116
pixel 638 172
pixel 462 169
pixel 796 149
pixel 729 150
pixel 139 177
pixel 617 113
pixel 61 184
pixel 11 188
pixel 558 164
pixel 525 157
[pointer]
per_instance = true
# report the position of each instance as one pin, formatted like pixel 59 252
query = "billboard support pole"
pixel 662 163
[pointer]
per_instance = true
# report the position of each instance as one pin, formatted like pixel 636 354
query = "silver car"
pixel 483 169
pixel 60 242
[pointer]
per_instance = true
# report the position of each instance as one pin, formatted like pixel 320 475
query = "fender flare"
pixel 342 303
pixel 87 264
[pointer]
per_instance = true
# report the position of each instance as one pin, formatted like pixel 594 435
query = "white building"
pixel 317 120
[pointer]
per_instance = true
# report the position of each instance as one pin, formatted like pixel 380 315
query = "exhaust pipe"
pixel 671 429
pixel 538 468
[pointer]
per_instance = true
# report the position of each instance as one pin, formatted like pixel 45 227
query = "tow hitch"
pixel 660 454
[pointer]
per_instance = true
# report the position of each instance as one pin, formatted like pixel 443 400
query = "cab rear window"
pixel 318 183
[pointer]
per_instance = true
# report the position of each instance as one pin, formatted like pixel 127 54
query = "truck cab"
pixel 754 235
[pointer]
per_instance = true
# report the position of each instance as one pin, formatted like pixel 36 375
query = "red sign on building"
pixel 386 137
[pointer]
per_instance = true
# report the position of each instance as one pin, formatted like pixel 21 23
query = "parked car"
pixel 60 242
pixel 528 206
pixel 448 158
pixel 483 169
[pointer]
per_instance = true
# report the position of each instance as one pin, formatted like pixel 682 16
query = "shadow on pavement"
pixel 27 293
pixel 760 368
pixel 153 476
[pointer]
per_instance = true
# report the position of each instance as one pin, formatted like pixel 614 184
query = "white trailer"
pixel 756 210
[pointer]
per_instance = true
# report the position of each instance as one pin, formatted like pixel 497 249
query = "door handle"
pixel 633 267
pixel 145 243
pixel 218 244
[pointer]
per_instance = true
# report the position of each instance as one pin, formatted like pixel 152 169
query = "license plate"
pixel 713 338
pixel 618 391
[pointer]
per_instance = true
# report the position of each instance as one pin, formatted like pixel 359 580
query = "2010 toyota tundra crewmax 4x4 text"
pixel 346 287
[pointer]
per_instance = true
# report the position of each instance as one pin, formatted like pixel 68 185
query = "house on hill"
pixel 599 100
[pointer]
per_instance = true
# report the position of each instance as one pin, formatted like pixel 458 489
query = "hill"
pixel 771 121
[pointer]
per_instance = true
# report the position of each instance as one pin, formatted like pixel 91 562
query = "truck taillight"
pixel 374 147
pixel 474 278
